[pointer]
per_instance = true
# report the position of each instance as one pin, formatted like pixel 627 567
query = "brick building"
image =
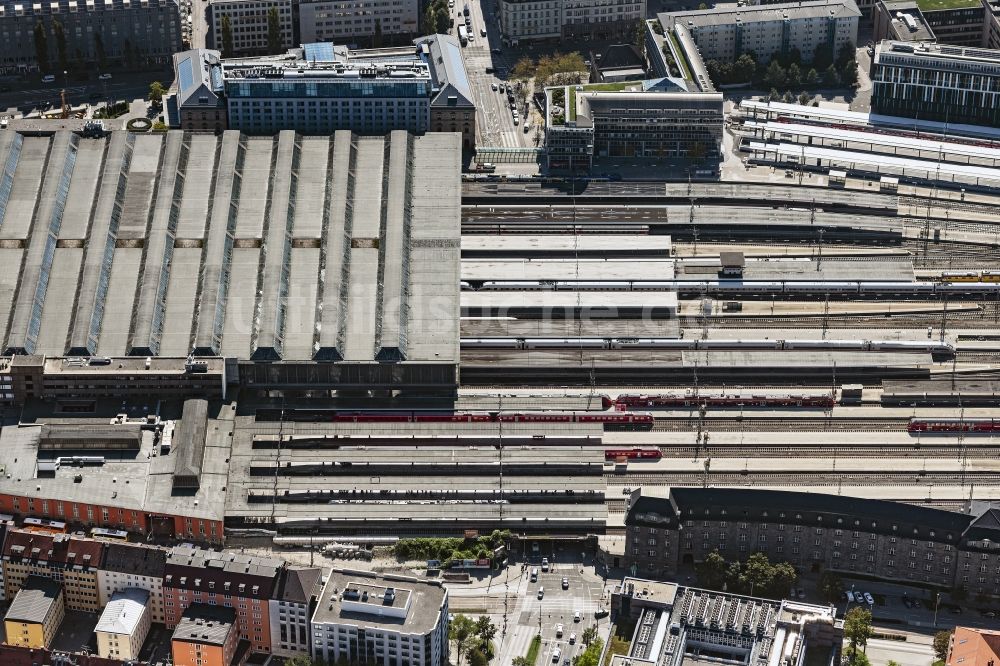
pixel 241 582
pixel 68 560
pixel 815 532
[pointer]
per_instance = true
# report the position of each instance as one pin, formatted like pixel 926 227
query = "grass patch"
pixel 621 640
pixel 533 649
pixel 598 87
pixel 681 60
pixel 931 5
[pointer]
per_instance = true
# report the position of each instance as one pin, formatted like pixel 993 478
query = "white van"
pixel 534 574
pixel 555 655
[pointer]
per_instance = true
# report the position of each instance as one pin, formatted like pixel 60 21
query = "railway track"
pixel 919 448
pixel 987 317
pixel 800 478
pixel 765 424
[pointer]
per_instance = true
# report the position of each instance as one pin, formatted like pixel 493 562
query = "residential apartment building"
pixel 127 567
pixel 35 614
pixel 525 20
pixel 291 608
pixel 974 647
pixel 229 579
pixel 815 532
pixel 936 82
pixel 124 623
pixel 321 88
pixel 107 31
pixel 725 33
pixel 248 25
pixel 72 561
pixel 393 620
pixel 358 21
pixel 207 636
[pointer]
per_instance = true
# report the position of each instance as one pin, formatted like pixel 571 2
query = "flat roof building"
pixel 123 625
pixel 726 32
pixel 951 84
pixel 35 613
pixel 397 615
pixel 901 21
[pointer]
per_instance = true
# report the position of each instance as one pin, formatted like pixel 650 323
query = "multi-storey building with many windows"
pixel 392 620
pixel 128 32
pixel 248 25
pixel 128 566
pixel 233 580
pixel 525 20
pixel 936 82
pixel 363 22
pixel 724 34
pixel 291 608
pixel 815 532
pixel 68 560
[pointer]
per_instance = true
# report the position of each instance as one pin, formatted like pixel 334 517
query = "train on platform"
pixel 632 454
pixel 986 282
pixel 690 400
pixel 616 420
pixel 914 346
pixel 947 426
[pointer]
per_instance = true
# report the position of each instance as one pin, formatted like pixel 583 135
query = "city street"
pixel 495 120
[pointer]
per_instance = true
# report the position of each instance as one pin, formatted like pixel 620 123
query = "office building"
pixel 527 20
pixel 321 88
pixel 936 82
pixel 248 25
pixel 101 33
pixel 123 625
pixel 392 620
pixel 207 636
pixel 974 647
pixel 815 532
pixel 657 119
pixel 962 23
pixel 674 624
pixel 71 560
pixel 358 22
pixel 291 608
pixel 35 613
pixel 725 33
pixel 129 567
pixel 229 579
pixel 991 25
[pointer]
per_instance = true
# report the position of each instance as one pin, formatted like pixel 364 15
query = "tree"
pixel 227 36
pixel 477 658
pixel 102 57
pixel 942 641
pixel 853 657
pixel 775 75
pixel 485 629
pixel 744 68
pixel 788 97
pixel 774 95
pixel 640 37
pixel 60 37
pixel 591 656
pixel 589 635
pixel 858 626
pixel 794 75
pixel 302 660
pixel 892 662
pixel 41 47
pixel 461 630
pixel 156 91
pixel 847 52
pixel 849 73
pixel 811 78
pixel 274 40
pixel 831 78
pixel 712 571
pixel 442 20
pixel 823 56
pixel 521 661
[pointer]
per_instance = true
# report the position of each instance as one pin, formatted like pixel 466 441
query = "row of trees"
pixel 447 550
pixel 789 70
pixel 437 17
pixel 757 575
pixel 555 70
pixel 473 639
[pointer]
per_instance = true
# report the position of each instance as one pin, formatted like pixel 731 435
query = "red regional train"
pixel 632 454
pixel 610 420
pixel 949 425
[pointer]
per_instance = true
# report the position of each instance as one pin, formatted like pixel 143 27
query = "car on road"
pixel 869 599
pixel 572 639
pixel 493 86
pixel 541 592
pixel 527 126
pixel 503 88
pixel 104 77
pixel 482 32
pixel 516 121
pixel 559 631
pixel 49 78
pixel 576 616
pixel 555 655
pixel 545 564
pixel 565 583
pixel 496 51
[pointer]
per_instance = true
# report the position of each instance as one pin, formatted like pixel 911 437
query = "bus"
pixel 463 35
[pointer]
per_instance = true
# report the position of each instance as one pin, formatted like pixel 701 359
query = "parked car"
pixel 869 599
pixel 49 78
pixel 104 77
pixel 565 583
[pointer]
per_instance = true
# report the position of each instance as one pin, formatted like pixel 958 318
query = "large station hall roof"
pixel 285 248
